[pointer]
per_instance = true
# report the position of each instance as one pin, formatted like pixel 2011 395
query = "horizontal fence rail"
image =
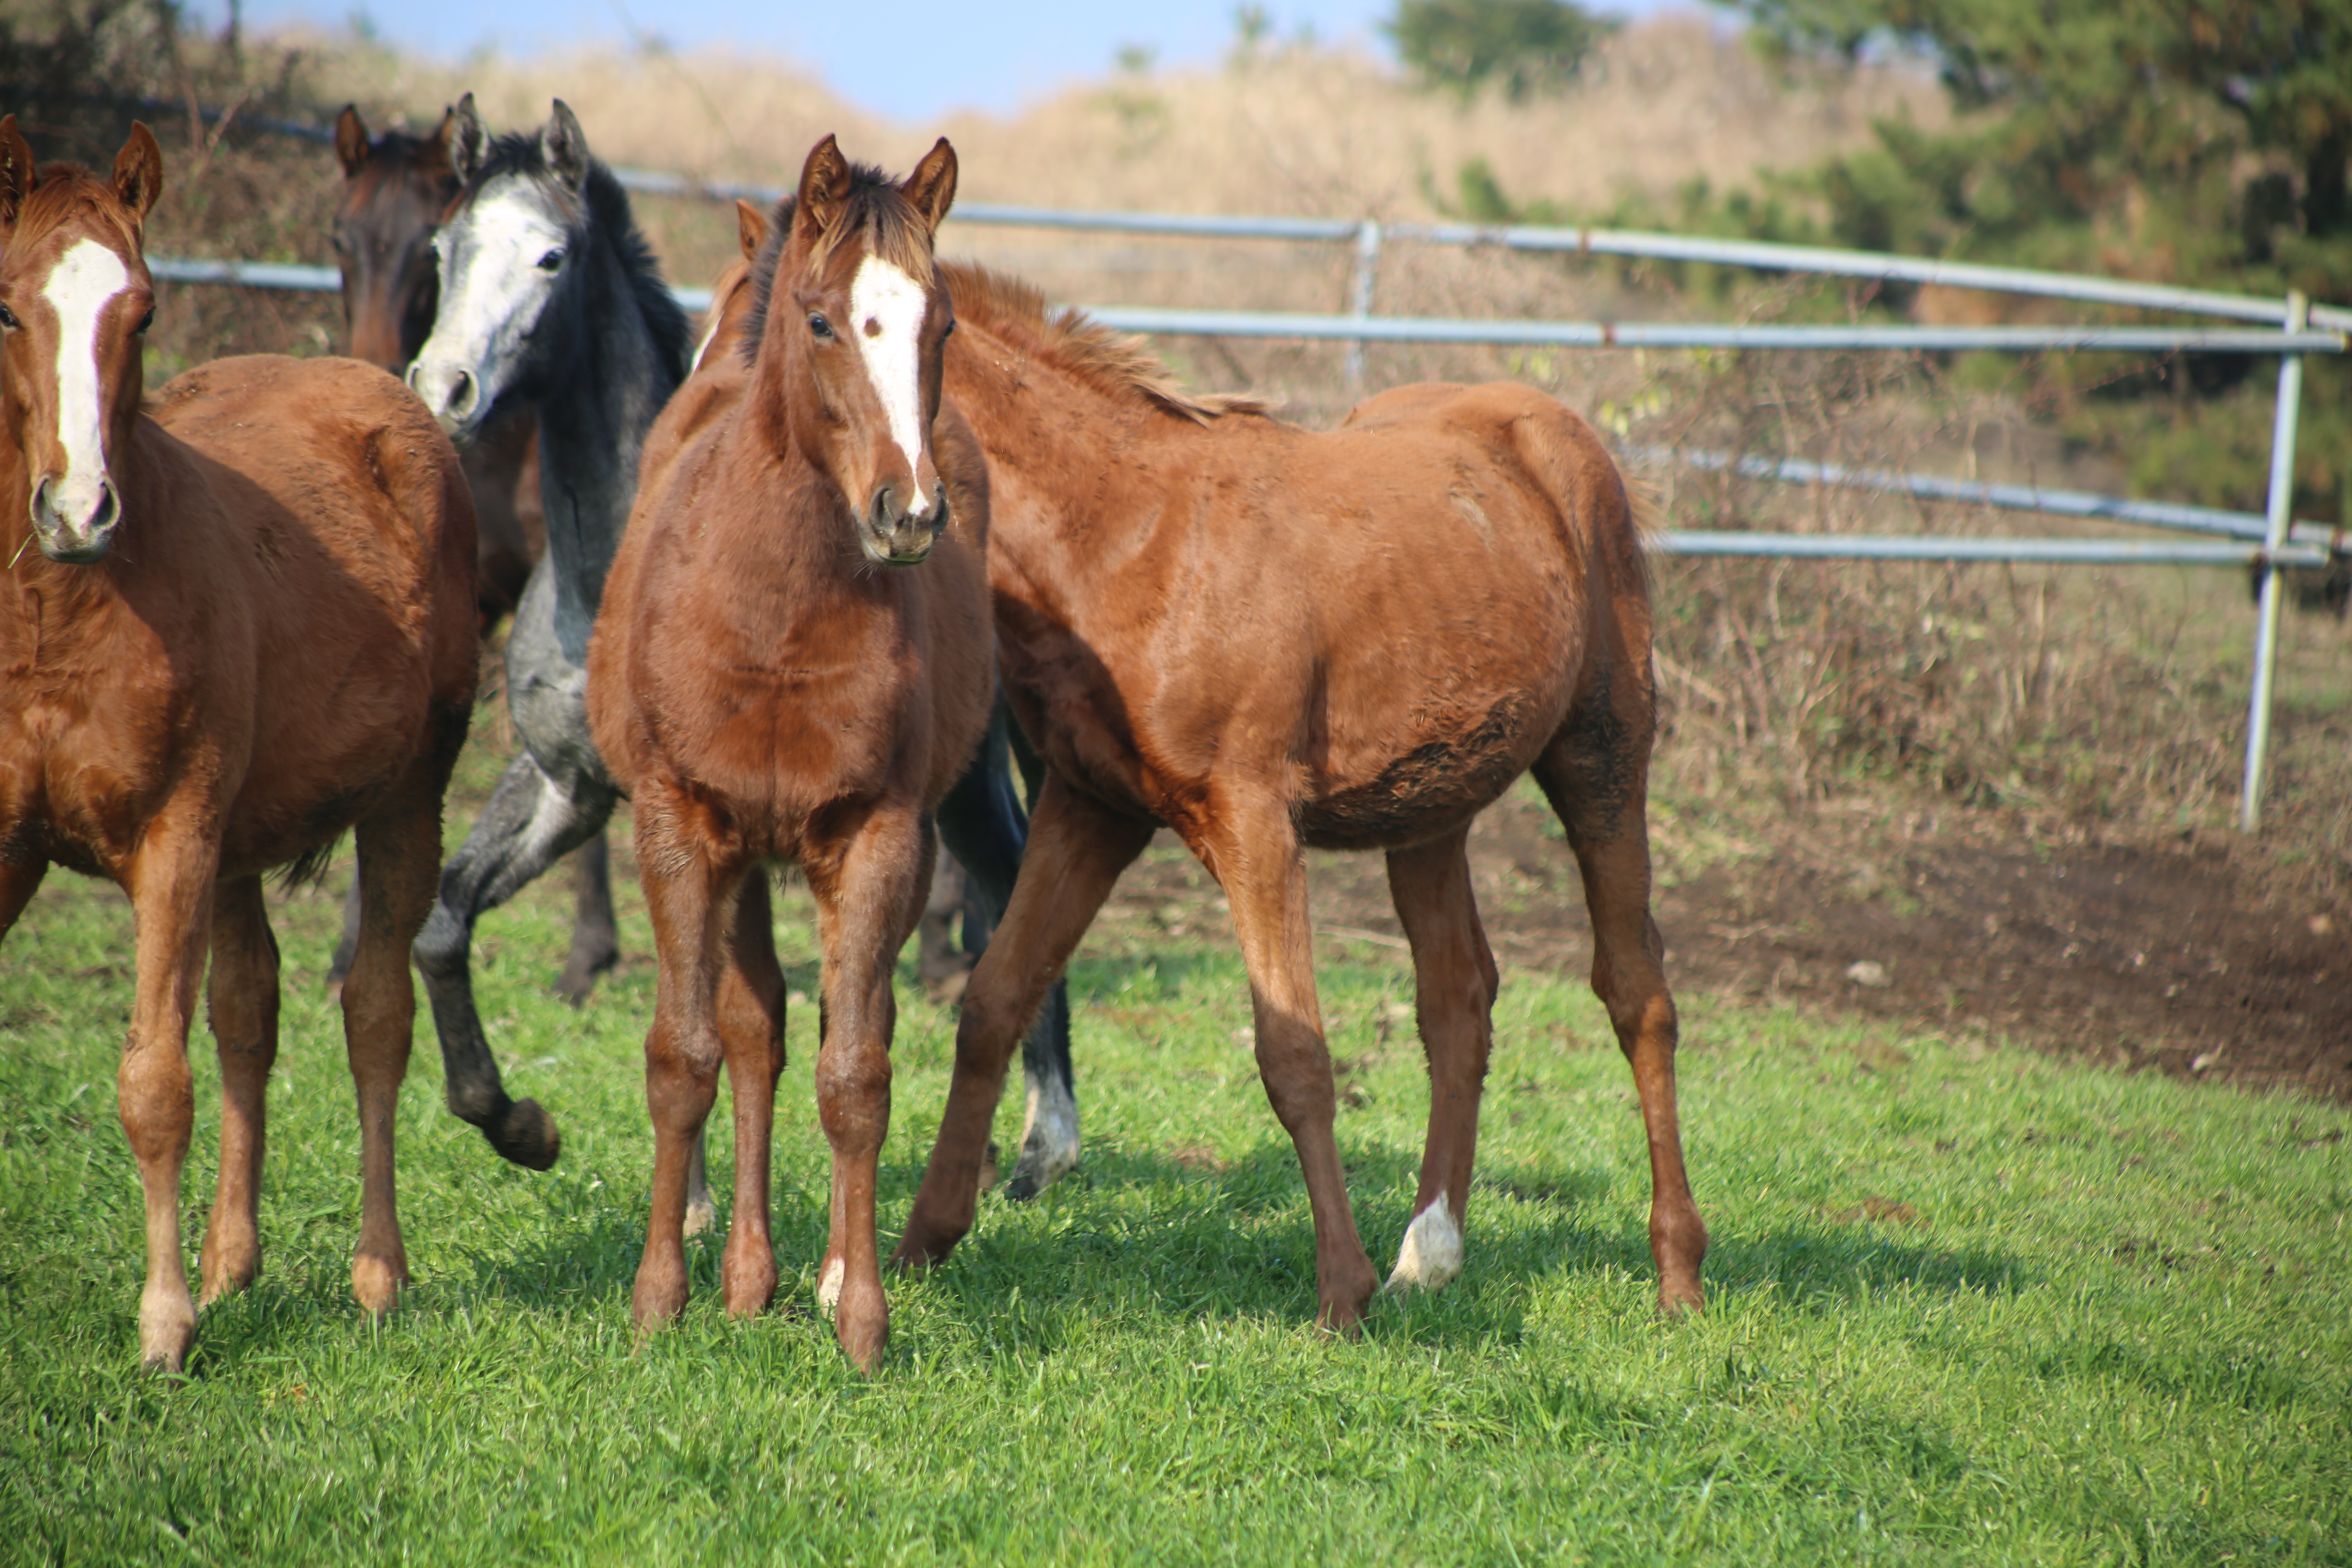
pixel 2266 542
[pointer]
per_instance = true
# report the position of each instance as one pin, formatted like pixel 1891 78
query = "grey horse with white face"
pixel 550 295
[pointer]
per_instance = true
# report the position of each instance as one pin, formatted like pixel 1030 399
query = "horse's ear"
pixel 825 183
pixel 931 188
pixel 350 141
pixel 751 229
pixel 566 145
pixel 467 151
pixel 139 171
pixel 16 171
pixel 434 156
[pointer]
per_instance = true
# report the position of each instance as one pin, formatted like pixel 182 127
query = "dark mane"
pixel 1072 342
pixel 519 152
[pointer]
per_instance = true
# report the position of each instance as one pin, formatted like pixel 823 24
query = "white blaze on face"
pixel 492 287
pixel 79 289
pixel 885 317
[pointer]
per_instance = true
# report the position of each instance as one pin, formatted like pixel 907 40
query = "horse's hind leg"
pixel 529 823
pixel 340 965
pixel 595 934
pixel 1596 775
pixel 982 823
pixel 400 848
pixel 751 1028
pixel 1454 985
pixel 241 995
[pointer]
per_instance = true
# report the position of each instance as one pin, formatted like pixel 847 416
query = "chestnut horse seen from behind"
pixel 248 625
pixel 1268 639
pixel 793 664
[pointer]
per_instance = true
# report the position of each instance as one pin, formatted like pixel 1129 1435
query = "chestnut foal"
pixel 1270 638
pixel 248 625
pixel 772 679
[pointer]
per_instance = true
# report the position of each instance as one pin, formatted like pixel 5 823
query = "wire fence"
pixel 2290 329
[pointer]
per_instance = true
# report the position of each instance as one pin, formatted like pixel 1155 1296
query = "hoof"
pixel 167 1328
pixel 525 1135
pixel 1049 1143
pixel 1431 1256
pixel 701 1215
pixel 376 1281
pixel 227 1278
pixel 1681 1300
pixel 579 978
pixel 657 1301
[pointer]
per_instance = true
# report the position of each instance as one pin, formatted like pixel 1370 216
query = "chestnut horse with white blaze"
pixel 1269 638
pixel 793 664
pixel 248 625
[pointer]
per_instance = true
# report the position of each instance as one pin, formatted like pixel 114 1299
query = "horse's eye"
pixel 551 261
pixel 146 321
pixel 821 327
pixel 342 247
pixel 947 332
pixel 7 318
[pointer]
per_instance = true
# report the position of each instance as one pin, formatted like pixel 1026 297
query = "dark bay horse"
pixel 550 298
pixel 794 665
pixel 1268 639
pixel 542 303
pixel 395 188
pixel 248 626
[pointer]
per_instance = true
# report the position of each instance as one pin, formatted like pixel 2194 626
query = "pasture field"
pixel 1966 1304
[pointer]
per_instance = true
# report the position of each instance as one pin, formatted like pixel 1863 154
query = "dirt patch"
pixel 2173 957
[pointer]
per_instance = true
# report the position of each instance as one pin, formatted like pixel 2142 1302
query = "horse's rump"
pixel 358 558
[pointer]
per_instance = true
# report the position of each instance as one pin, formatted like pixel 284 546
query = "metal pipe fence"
pixel 2268 543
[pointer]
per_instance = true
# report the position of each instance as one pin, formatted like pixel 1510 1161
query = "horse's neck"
pixel 1039 428
pixel 591 428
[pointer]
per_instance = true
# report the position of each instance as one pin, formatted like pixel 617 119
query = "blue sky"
pixel 907 60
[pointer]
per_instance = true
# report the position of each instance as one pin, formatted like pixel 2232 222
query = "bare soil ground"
pixel 2171 958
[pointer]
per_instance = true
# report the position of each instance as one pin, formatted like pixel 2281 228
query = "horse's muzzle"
pixel 893 536
pixel 452 394
pixel 75 523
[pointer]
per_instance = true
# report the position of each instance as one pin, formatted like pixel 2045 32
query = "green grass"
pixel 1965 1305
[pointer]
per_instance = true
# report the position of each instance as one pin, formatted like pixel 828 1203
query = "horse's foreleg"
pixel 982 823
pixel 688 895
pixel 595 934
pixel 1251 846
pixel 241 995
pixel 170 888
pixel 1599 796
pixel 751 1028
pixel 869 892
pixel 1453 986
pixel 1077 847
pixel 529 823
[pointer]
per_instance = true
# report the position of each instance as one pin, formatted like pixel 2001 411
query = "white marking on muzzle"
pixel 1432 1254
pixel 493 291
pixel 885 316
pixel 79 289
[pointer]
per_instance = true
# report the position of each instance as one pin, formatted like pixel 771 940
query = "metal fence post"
pixel 2266 626
pixel 1368 267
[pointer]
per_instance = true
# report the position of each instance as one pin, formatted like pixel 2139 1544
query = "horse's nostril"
pixel 461 394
